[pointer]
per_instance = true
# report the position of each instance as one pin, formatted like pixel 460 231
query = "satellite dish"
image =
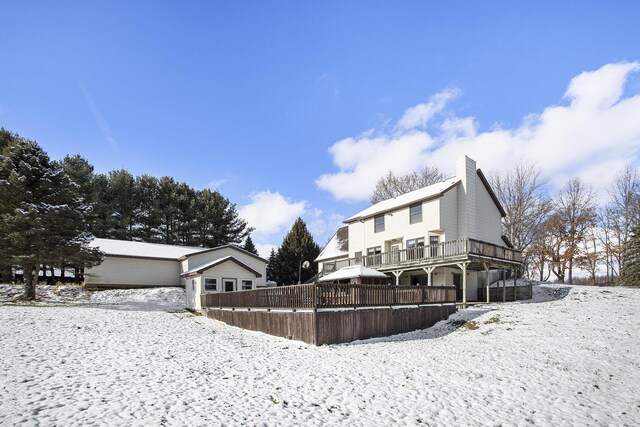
pixel 305 264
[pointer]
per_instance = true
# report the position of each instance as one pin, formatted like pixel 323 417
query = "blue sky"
pixel 294 108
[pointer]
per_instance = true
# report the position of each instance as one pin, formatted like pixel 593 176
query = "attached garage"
pixel 138 264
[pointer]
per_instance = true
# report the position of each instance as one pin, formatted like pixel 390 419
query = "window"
pixel 247 284
pixel 415 242
pixel 415 248
pixel 433 245
pixel 374 255
pixel 358 257
pixel 378 223
pixel 415 213
pixel 210 284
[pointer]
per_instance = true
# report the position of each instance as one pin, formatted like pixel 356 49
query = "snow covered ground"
pixel 568 357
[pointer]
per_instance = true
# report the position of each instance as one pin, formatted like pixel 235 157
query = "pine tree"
pixel 271 265
pixel 42 217
pixel 631 261
pixel 249 246
pixel 145 211
pixel 217 220
pixel 122 189
pixel 296 248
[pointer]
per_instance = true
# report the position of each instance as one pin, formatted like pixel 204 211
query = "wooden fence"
pixel 321 295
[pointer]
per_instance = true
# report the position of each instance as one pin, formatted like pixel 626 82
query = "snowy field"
pixel 569 357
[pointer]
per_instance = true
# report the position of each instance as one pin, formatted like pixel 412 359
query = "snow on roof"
pixel 218 261
pixel 333 248
pixel 143 249
pixel 405 199
pixel 351 272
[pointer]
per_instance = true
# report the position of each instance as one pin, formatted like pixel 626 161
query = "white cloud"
pixel 419 116
pixel 215 184
pixel 592 136
pixel 270 213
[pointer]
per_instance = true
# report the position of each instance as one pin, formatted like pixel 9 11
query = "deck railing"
pixel 321 295
pixel 435 252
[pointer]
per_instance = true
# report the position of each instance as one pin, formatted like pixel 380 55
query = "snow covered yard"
pixel 570 356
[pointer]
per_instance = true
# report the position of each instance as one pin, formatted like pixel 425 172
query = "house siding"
pixel 133 272
pixel 194 261
pixel 488 216
pixel 397 227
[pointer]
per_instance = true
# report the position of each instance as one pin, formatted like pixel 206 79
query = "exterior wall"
pixel 466 172
pixel 193 286
pixel 449 214
pixel 133 272
pixel 194 261
pixel 489 220
pixel 362 235
pixel 226 270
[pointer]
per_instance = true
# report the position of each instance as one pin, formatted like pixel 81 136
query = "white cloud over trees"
pixel 592 134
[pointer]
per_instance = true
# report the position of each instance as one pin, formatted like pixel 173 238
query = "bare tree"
pixel 624 211
pixel 391 185
pixel 521 193
pixel 590 256
pixel 573 216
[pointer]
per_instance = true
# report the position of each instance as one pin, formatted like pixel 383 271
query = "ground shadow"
pixel 462 319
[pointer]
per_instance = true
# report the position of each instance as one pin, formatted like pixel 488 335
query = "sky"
pixel 296 108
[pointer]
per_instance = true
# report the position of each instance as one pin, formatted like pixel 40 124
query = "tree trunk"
pixel 7 276
pixel 30 282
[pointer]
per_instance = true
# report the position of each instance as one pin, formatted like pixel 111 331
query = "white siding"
pixel 489 219
pixel 362 235
pixel 193 288
pixel 196 260
pixel 226 270
pixel 117 271
pixel 449 214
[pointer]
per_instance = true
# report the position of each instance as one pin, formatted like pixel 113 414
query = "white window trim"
pixel 246 280
pixel 204 279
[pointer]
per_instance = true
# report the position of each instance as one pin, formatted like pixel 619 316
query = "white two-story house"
pixel 447 234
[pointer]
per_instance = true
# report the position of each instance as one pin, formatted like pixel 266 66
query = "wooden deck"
pixel 431 255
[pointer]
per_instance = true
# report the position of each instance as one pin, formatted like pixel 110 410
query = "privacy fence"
pixel 332 313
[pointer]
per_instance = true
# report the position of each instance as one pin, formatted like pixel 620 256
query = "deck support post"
pixel 486 269
pixel 504 285
pixel 463 267
pixel 397 273
pixel 429 271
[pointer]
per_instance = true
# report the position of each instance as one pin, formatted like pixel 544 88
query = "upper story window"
pixel 378 223
pixel 415 213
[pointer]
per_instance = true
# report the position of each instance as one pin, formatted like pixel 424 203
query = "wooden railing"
pixel 323 295
pixel 439 251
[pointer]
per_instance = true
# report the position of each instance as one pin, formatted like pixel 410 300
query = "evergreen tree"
pixel 122 189
pixel 168 209
pixel 631 260
pixel 218 222
pixel 101 222
pixel 296 248
pixel 249 246
pixel 146 212
pixel 43 221
pixel 271 265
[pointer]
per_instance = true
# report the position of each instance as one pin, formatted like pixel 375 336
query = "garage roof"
pixel 126 248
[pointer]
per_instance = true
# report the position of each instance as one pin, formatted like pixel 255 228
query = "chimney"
pixel 466 172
